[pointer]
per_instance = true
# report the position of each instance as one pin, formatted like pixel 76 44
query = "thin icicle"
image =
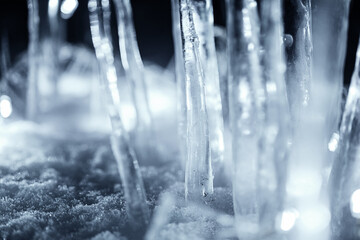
pixel 198 173
pixel 127 163
pixel 32 97
pixel 52 54
pixel 300 73
pixel 132 63
pixel 4 63
pixel 246 99
pixel 344 176
pixel 180 80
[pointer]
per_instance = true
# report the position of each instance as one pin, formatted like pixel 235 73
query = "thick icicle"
pixel 330 23
pixel 32 97
pixel 299 68
pixel 273 161
pixel 345 177
pixel 203 24
pixel 180 80
pixel 198 173
pixel 132 63
pixel 246 99
pixel 127 163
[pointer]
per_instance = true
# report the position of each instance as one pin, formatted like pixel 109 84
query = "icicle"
pixel 52 54
pixel 32 98
pixel 127 163
pixel 198 173
pixel 220 45
pixel 273 161
pixel 299 69
pixel 246 99
pixel 132 63
pixel 344 176
pixel 180 81
pixel 330 23
pixel 203 25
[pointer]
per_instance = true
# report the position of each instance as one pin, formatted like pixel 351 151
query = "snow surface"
pixel 53 187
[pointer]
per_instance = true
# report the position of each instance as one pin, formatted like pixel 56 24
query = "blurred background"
pixel 153 27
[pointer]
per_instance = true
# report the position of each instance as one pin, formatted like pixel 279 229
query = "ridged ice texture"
pixel 127 163
pixel 345 177
pixel 274 153
pixel 203 23
pixel 198 173
pixel 299 77
pixel 246 98
pixel 132 63
pixel 180 81
pixel 32 97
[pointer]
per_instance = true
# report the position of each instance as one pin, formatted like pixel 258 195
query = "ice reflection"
pixel 68 8
pixel 5 106
pixel 288 219
pixel 355 204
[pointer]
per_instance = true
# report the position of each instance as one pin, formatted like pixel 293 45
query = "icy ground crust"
pixel 55 188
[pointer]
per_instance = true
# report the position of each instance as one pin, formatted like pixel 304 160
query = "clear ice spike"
pixel 300 69
pixel 198 173
pixel 32 96
pixel 132 63
pixel 55 41
pixel 330 24
pixel 204 28
pixel 180 81
pixel 129 170
pixel 246 101
pixel 345 176
pixel 276 135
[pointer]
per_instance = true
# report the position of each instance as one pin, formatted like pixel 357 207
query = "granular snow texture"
pixel 67 189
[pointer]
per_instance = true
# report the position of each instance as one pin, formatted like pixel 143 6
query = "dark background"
pixel 152 20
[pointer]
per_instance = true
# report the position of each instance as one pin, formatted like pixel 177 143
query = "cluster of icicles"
pixel 269 125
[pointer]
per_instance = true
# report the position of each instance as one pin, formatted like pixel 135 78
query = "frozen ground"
pixel 56 188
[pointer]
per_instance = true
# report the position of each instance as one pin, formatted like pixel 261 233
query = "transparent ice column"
pixel 132 63
pixel 330 23
pixel 45 40
pixel 180 81
pixel 127 163
pixel 345 177
pixel 276 135
pixel 32 98
pixel 198 173
pixel 246 101
pixel 202 17
pixel 300 58
pixel 203 23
